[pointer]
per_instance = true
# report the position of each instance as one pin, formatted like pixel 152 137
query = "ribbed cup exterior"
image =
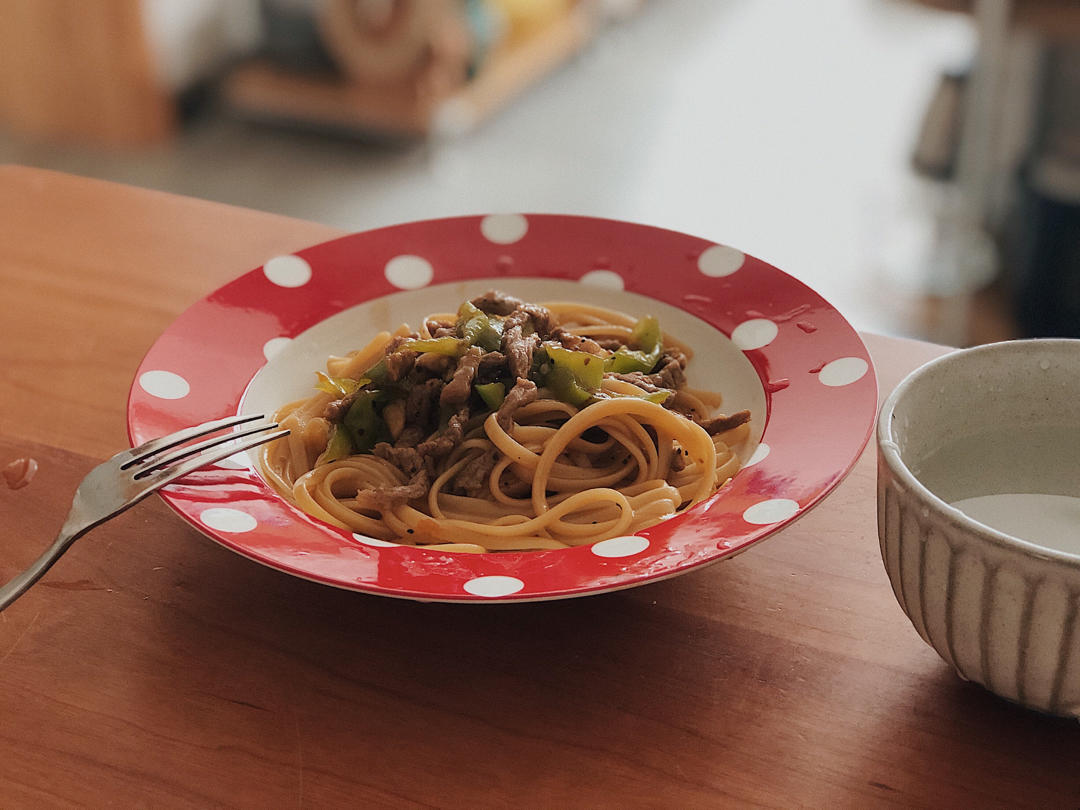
pixel 1002 615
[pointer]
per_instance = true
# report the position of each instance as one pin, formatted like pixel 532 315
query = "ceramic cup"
pixel 992 423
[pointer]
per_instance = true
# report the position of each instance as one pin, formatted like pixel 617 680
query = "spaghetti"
pixel 506 426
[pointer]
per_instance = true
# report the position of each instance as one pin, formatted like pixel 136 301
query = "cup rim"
pixel 889 452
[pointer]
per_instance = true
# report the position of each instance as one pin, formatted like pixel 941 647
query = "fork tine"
pixel 167 475
pixel 159 461
pixel 140 453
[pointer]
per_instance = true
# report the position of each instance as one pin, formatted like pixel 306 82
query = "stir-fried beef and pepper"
pixel 500 353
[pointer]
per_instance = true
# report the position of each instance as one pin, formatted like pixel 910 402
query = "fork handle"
pixel 20 583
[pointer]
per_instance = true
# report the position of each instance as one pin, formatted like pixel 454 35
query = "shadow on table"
pixel 939 740
pixel 617 682
pixel 485 654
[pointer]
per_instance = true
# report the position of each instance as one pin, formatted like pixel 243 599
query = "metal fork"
pixel 128 477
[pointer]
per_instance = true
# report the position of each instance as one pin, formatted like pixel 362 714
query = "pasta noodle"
pixel 506 426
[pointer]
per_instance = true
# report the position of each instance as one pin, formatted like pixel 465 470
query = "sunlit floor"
pixel 784 129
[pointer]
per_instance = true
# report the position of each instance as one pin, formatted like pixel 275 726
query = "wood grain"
pixel 92 273
pixel 152 667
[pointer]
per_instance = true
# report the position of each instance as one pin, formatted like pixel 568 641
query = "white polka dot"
pixel 760 452
pixel 494 586
pixel 372 541
pixel 720 260
pixel 620 546
pixel 228 520
pixel 504 229
pixel 608 279
pixel 164 384
pixel 275 345
pixel 771 511
pixel 409 272
pixel 844 371
pixel 288 271
pixel 754 334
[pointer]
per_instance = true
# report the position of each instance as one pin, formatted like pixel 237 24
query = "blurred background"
pixel 916 162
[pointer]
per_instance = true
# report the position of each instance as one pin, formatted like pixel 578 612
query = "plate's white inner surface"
pixel 717 364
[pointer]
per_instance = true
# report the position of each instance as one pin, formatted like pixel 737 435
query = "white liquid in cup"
pixel 1024 482
pixel 1052 521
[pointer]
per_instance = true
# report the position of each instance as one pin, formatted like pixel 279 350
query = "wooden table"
pixel 152 667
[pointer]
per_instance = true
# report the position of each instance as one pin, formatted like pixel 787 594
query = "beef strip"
pixel 411 436
pixel 419 412
pixel 496 302
pixel 523 392
pixel 388 497
pixel 718 424
pixel 399 364
pixel 518 349
pixel 406 459
pixel 576 343
pixel 335 411
pixel 643 381
pixel 420 402
pixel 434 364
pixel 675 354
pixel 670 375
pixel 492 366
pixel 443 442
pixel 518 317
pixel 543 320
pixel 472 480
pixel 397 341
pixel 457 391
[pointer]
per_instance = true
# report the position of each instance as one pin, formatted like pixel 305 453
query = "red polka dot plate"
pixel 765 340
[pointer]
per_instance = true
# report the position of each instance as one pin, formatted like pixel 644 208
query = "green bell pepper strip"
pixel 626 361
pixel 562 383
pixel 646 335
pixel 339 386
pixel 493 394
pixel 478 329
pixel 363 425
pixel 574 377
pixel 378 373
pixel 587 369
pixel 658 397
pixel 338 447
pixel 450 346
